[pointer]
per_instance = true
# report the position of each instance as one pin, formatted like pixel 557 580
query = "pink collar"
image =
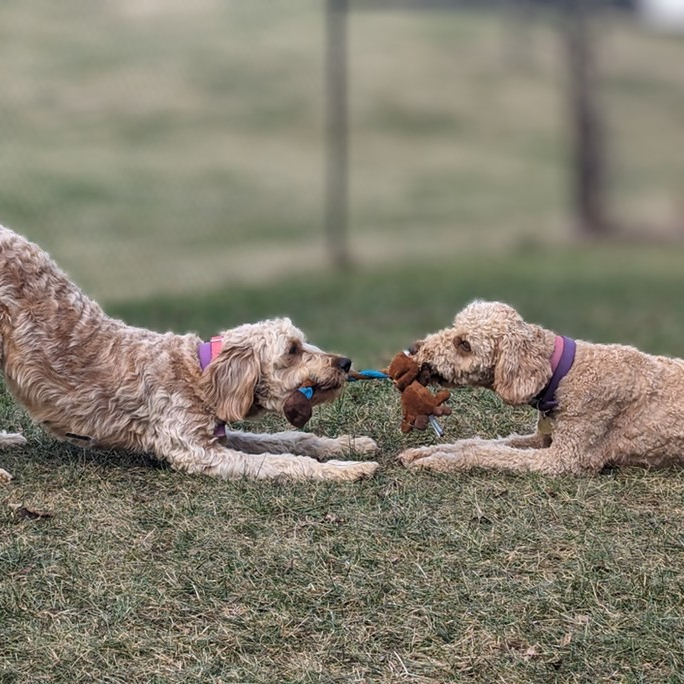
pixel 558 346
pixel 208 351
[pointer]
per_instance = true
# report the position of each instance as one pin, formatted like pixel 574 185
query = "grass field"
pixel 170 155
pixel 145 575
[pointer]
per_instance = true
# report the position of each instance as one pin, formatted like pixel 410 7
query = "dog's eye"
pixel 295 348
pixel 461 344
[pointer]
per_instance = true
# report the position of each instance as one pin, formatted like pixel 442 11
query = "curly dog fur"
pixel 616 405
pixel 90 379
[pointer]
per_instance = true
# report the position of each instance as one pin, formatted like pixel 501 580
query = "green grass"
pixel 145 575
pixel 177 148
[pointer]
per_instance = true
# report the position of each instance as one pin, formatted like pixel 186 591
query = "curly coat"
pixel 93 380
pixel 616 405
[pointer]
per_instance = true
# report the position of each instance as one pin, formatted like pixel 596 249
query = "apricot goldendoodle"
pixel 95 381
pixel 599 404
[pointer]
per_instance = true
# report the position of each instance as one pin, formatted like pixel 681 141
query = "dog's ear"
pixel 522 365
pixel 229 381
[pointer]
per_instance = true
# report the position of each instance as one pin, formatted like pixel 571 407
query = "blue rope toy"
pixel 365 375
pixel 369 374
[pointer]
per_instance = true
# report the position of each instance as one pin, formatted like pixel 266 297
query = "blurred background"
pixel 166 149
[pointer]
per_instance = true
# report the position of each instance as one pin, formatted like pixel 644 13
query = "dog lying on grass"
pixel 599 405
pixel 95 381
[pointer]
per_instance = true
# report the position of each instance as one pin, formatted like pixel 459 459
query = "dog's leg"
pixel 536 440
pixel 9 439
pixel 494 455
pixel 300 443
pixel 219 461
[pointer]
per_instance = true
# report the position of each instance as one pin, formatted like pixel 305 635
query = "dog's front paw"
pixel 410 456
pixel 348 471
pixel 5 477
pixel 356 445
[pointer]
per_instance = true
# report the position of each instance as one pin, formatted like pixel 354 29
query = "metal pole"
pixel 337 177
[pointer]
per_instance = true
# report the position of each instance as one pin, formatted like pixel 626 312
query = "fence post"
pixel 337 167
pixel 589 143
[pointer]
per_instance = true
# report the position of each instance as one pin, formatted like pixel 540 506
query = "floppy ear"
pixel 522 367
pixel 229 381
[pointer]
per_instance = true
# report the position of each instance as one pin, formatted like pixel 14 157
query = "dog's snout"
pixel 344 364
pixel 415 347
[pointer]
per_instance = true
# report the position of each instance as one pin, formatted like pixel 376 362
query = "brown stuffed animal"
pixel 298 408
pixel 417 402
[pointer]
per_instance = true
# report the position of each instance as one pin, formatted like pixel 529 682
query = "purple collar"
pixel 561 362
pixel 206 353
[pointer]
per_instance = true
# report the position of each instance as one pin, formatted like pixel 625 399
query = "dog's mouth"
pixel 328 390
pixel 429 375
pixel 297 404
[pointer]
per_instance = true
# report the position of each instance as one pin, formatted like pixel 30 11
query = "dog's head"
pixel 489 345
pixel 260 364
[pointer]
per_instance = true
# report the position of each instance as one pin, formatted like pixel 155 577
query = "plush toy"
pixel 297 407
pixel 418 404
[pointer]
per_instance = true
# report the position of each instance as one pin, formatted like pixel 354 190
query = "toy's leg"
pixel 442 396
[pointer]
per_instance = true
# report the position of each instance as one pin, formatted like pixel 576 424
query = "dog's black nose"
pixel 343 363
